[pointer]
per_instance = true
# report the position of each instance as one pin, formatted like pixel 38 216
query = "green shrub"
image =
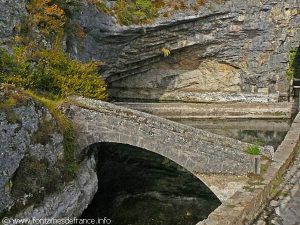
pixel 253 150
pixel 6 63
pixel 8 104
pixel 52 72
pixel 294 64
pixel 166 52
pixel 45 21
pixel 135 12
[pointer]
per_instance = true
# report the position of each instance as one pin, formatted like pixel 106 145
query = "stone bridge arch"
pixel 121 168
pixel 203 179
pixel 198 151
pixel 90 150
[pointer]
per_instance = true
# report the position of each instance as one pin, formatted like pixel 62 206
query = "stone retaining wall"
pixel 244 206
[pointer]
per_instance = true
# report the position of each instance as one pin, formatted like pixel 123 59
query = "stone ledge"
pixel 244 207
pixel 214 110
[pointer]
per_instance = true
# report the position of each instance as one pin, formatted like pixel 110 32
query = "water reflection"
pixel 138 187
pixel 259 131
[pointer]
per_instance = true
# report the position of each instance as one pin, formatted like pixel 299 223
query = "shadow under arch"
pixel 140 187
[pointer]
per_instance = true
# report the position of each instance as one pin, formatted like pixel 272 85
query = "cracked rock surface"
pixel 33 180
pixel 232 51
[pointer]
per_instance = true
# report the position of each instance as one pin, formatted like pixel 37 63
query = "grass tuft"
pixel 8 104
pixel 253 150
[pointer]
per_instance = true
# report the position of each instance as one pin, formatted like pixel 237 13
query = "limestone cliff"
pixel 33 178
pixel 230 51
pixel 223 51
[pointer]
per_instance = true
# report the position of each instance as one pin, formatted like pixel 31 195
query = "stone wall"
pixel 231 51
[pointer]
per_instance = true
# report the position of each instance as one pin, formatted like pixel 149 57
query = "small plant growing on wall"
pixel 166 52
pixel 294 63
pixel 253 150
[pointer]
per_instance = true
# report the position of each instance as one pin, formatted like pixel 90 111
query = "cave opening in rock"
pixel 138 187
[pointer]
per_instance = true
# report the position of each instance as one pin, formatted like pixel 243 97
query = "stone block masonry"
pixel 196 150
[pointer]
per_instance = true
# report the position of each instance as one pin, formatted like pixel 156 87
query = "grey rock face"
pixel 237 48
pixel 29 141
pixel 17 139
pixel 72 200
pixel 11 13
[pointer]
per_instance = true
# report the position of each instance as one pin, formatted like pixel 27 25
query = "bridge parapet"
pixel 196 150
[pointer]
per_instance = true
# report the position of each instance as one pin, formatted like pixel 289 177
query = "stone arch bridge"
pixel 196 150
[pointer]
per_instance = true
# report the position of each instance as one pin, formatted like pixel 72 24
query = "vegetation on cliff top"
pixel 129 12
pixel 38 61
pixel 8 101
pixel 135 12
pixel 51 72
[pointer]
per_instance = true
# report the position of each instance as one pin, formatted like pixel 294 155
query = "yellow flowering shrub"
pixel 46 16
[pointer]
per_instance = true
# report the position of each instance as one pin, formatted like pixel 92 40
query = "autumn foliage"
pixel 38 61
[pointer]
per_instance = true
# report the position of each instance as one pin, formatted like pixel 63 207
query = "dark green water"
pixel 254 131
pixel 137 187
